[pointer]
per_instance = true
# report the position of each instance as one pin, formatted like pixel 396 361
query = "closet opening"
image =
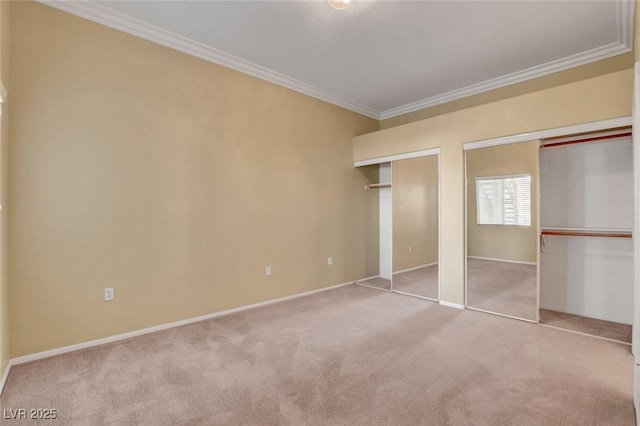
pixel 586 222
pixel 405 194
pixel 380 191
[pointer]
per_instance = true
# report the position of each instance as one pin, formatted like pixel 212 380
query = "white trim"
pixel 466 230
pixel 104 16
pixel 451 305
pixel 426 265
pixel 366 279
pixel 361 283
pixel 115 338
pixel 5 375
pixel 440 223
pixel 550 133
pixel 471 308
pixel 572 61
pixel 502 260
pixel 396 157
pixel 538 239
pixel 431 299
pixel 635 335
pixel 625 21
pixel 388 290
pixel 624 44
pixel 584 334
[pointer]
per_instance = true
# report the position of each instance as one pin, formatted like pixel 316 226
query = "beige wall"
pixel 415 212
pixel 498 241
pixel 4 138
pixel 599 98
pixel 173 180
pixel 636 34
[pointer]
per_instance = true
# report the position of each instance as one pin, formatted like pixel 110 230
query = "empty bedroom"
pixel 336 212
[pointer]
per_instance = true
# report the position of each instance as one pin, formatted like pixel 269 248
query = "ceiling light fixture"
pixel 340 4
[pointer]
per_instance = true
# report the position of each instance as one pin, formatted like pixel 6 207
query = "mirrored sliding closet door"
pixel 415 226
pixel 502 229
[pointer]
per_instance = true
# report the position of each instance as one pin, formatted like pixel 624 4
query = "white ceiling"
pixel 380 58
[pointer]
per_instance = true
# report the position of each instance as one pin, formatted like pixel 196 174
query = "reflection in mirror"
pixel 415 226
pixel 378 246
pixel 502 229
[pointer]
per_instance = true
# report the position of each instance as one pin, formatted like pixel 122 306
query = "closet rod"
pixel 621 234
pixel 592 139
pixel 374 186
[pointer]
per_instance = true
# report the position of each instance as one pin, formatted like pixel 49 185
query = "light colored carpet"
pixel 421 282
pixel 502 287
pixel 349 356
pixel 596 327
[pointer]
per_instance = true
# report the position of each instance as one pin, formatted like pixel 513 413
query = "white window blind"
pixel 504 200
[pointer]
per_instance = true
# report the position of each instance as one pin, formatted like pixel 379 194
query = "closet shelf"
pixel 375 186
pixel 585 232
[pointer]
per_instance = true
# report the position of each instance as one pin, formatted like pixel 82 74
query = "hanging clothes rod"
pixel 374 186
pixel 587 233
pixel 591 139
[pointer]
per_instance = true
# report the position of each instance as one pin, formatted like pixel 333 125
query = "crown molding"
pixel 138 28
pixel 104 16
pixel 566 63
pixel 623 45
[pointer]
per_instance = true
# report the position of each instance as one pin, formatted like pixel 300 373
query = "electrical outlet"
pixel 410 249
pixel 330 260
pixel 108 294
pixel 267 271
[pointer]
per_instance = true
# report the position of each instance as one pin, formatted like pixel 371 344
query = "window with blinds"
pixel 504 200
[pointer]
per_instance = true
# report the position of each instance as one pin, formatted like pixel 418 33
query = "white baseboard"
pixel 367 279
pixel 502 260
pixel 115 338
pixel 451 305
pixel 416 267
